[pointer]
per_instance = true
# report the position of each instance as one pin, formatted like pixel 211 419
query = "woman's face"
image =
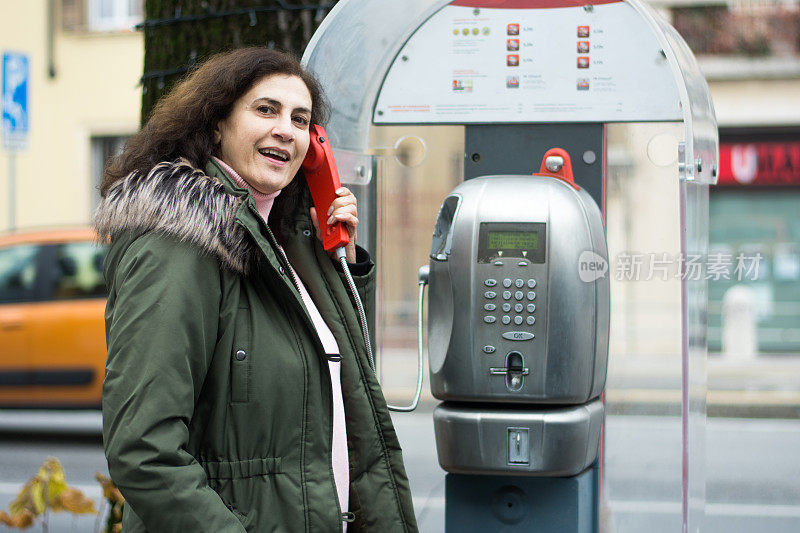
pixel 265 137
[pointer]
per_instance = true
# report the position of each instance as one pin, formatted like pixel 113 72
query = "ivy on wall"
pixel 178 34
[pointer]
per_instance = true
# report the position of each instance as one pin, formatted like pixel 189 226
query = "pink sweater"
pixel 341 464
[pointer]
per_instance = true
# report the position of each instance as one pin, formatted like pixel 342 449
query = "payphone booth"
pixel 561 153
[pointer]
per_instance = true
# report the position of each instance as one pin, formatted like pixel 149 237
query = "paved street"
pixel 753 472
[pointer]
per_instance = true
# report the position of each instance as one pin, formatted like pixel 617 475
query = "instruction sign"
pixel 559 62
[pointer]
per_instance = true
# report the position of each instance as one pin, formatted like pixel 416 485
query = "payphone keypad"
pixel 517 301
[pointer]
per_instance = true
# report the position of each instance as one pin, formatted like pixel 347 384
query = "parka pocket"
pixel 241 358
pixel 239 486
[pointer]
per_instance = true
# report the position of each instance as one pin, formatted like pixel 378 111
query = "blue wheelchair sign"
pixel 16 73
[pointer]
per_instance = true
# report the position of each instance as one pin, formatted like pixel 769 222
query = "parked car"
pixel 52 335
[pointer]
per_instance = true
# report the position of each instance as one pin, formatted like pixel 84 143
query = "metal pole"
pixel 12 192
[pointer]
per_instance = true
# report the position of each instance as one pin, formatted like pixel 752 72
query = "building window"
pixel 101 15
pixel 111 15
pixel 103 149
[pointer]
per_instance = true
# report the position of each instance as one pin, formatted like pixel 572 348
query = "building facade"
pixel 84 64
pixel 750 53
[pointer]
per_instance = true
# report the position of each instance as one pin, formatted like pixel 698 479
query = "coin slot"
pixel 515 370
pixel 518 446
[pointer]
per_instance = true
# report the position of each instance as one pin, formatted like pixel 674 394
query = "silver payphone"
pixel 517 319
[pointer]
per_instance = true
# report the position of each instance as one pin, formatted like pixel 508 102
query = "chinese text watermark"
pixel 632 266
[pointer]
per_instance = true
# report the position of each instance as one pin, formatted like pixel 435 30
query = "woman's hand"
pixel 343 209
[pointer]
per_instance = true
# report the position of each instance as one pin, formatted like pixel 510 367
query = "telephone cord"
pixel 340 254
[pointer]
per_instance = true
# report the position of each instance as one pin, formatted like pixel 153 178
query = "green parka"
pixel 217 412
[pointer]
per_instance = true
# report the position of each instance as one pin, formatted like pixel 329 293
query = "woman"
pixel 237 395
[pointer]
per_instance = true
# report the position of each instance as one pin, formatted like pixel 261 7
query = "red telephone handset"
pixel 323 180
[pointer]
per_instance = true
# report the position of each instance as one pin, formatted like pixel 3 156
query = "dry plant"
pixel 45 492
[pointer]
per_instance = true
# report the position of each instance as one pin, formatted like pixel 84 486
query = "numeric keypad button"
pixel 530 320
pixel 519 295
pixel 507 283
pixel 506 295
pixel 531 295
pixel 531 308
pixel 518 308
pixel 506 307
pixel 518 320
pixel 506 319
pixel 519 283
pixel 531 283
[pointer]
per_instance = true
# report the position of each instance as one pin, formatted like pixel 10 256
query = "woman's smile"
pixel 277 156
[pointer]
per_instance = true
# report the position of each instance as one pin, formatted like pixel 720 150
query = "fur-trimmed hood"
pixel 183 202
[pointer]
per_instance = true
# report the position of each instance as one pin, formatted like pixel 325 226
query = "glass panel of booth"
pixel 408 200
pixel 647 208
pixel 655 391
pixel 339 61
pixel 696 223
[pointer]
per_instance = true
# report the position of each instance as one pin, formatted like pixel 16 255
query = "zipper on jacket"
pixel 336 358
pixel 346 516
pixel 289 272
pixel 287 269
pixel 283 261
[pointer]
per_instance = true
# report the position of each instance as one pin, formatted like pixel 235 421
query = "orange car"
pixel 52 336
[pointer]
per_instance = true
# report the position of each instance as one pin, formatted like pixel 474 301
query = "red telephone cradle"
pixel 564 173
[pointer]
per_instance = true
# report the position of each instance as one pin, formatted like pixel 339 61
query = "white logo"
pixel 744 163
pixel 591 266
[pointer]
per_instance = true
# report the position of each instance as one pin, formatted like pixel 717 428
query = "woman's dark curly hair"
pixel 182 122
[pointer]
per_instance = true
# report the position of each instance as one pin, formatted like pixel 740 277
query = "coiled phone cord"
pixel 362 316
pixel 420 370
pixel 340 254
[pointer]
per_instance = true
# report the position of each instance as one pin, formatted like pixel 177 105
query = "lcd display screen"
pixel 512 240
pixel 525 240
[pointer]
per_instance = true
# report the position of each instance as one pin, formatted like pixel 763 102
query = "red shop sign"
pixel 761 163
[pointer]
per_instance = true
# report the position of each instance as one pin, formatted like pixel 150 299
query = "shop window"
pixel 757 225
